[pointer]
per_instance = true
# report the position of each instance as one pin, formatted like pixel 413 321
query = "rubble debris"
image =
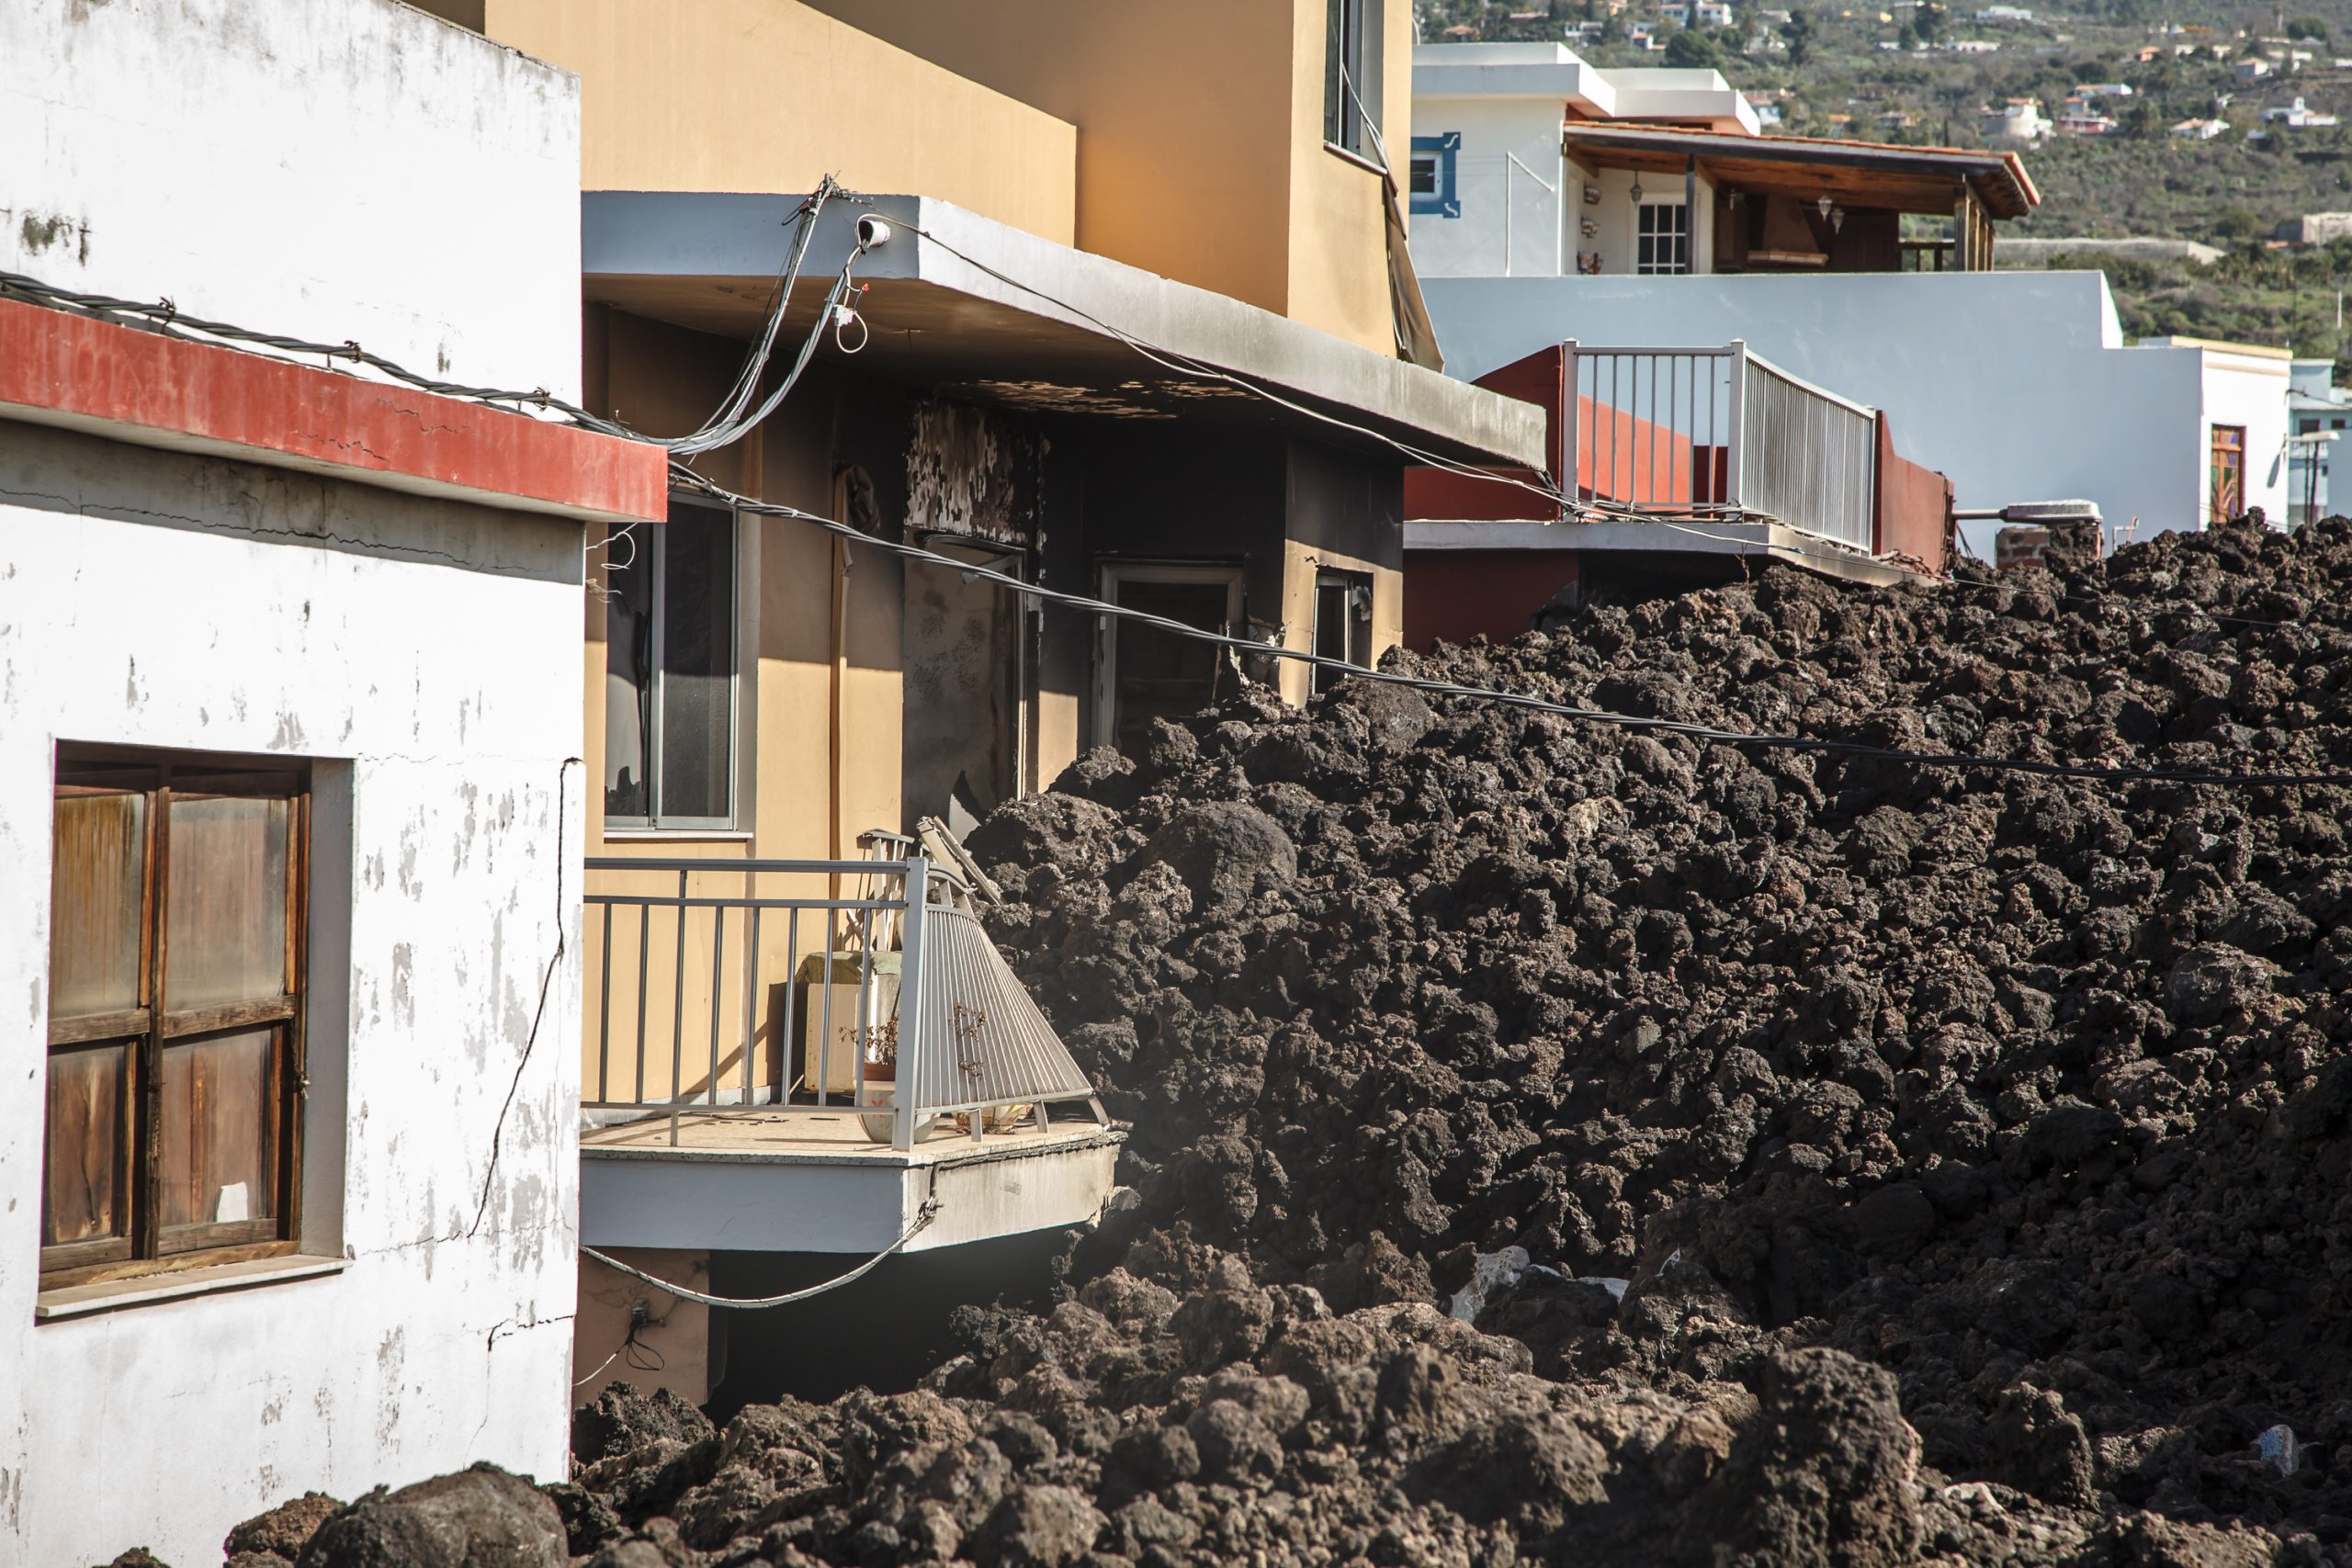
pixel 1971 1144
pixel 283 1531
pixel 481 1518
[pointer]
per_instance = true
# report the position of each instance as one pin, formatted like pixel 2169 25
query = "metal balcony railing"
pixel 1719 433
pixel 775 988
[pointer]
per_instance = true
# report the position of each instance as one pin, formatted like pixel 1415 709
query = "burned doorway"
pixel 968 663
pixel 968 641
pixel 1144 672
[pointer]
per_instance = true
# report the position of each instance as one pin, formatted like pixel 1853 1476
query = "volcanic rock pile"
pixel 1904 1163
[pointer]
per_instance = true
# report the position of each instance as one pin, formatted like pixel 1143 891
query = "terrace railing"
pixel 1718 435
pixel 775 988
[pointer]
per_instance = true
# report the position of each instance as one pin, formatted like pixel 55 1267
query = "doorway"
pixel 1144 672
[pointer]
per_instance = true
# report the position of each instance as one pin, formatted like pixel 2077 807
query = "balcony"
pixel 819 1056
pixel 1685 466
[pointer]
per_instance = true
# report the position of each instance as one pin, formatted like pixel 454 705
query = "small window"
pixel 1433 193
pixel 1662 239
pixel 2228 490
pixel 2305 426
pixel 177 924
pixel 1351 70
pixel 1342 623
pixel 670 674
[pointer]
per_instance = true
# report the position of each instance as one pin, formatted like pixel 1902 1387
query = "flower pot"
pixel 879 1087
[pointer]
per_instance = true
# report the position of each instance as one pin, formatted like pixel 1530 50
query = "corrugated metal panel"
pixel 981 1040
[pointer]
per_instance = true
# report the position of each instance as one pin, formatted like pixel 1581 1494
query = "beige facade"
pixel 772 96
pixel 1200 151
pixel 1163 166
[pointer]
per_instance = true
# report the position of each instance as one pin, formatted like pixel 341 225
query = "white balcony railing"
pixel 1719 433
pixel 778 988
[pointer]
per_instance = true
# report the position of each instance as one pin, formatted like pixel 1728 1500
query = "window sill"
pixel 677 835
pixel 1359 160
pixel 81 1300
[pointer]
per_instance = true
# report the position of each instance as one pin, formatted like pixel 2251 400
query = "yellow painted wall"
pixel 664 380
pixel 770 94
pixel 1339 251
pixel 677 1336
pixel 1200 151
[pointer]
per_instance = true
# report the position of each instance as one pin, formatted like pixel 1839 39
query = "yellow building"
pixel 1129 316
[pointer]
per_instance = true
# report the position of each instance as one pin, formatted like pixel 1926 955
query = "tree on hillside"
pixel 1691 50
pixel 2307 26
pixel 1798 31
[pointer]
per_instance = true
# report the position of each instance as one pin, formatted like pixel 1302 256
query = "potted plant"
pixel 879 1070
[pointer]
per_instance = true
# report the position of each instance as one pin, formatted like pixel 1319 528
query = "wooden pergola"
pixel 1820 185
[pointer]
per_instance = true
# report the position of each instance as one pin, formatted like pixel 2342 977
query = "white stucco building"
pixel 289 802
pixel 2018 384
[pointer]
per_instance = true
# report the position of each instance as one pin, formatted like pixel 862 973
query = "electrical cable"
pixel 1818 744
pixel 166 313
pixel 923 1217
pixel 607 1361
pixel 1168 359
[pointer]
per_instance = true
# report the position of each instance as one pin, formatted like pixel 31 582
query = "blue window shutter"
pixel 1445 201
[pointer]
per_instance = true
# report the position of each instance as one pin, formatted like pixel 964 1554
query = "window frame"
pixel 1443 149
pixel 654 558
pixel 1352 59
pixel 1110 576
pixel 2235 451
pixel 1678 264
pixel 145 1246
pixel 1354 632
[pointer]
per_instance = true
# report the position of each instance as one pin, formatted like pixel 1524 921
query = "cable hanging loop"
pixel 923 1217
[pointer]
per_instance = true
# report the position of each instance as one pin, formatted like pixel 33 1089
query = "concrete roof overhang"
pixel 1858 173
pixel 959 301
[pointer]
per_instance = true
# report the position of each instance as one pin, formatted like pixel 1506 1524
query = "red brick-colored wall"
pixel 1914 507
pixel 1455 595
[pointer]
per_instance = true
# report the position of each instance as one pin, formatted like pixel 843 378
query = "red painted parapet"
pixel 1540 378
pixel 57 367
pixel 1914 522
pixel 1619 457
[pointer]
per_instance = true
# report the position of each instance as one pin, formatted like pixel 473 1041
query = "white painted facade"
pixel 430 672
pixel 2016 385
pixel 1492 115
pixel 331 170
pixel 345 169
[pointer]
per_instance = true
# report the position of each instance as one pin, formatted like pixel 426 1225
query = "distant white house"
pixel 2005 14
pixel 2201 129
pixel 1973 46
pixel 2252 70
pixel 2297 115
pixel 2320 412
pixel 1712 14
pixel 2104 90
pixel 2019 119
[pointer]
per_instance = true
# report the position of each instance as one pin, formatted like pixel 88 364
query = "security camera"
pixel 872 232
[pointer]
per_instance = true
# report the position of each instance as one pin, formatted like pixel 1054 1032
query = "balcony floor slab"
pixel 814 1182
